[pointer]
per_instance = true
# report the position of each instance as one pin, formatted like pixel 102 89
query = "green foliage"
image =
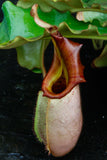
pixel 48 5
pixel 90 16
pixel 101 61
pixel 65 5
pixel 30 55
pixel 101 4
pixel 13 33
pixel 18 29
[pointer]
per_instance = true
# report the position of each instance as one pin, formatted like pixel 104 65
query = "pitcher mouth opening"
pixel 60 85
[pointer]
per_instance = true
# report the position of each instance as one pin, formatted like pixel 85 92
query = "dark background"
pixel 18 93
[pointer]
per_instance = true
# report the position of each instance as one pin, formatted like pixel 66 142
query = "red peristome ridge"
pixel 70 54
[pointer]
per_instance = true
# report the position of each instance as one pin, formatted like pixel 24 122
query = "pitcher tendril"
pixel 49 28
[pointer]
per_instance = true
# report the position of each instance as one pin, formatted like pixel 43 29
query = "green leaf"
pixel 90 32
pixel 98 44
pixel 95 4
pixel 101 61
pixel 17 27
pixel 71 27
pixel 48 5
pixel 30 55
pixel 65 5
pixel 56 18
pixel 90 16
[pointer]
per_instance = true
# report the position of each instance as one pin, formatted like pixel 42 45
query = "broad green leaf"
pixel 48 5
pixel 90 16
pixel 17 26
pixel 71 3
pixel 95 3
pixel 101 61
pixel 60 5
pixel 30 55
pixel 71 27
pixel 56 18
pixel 18 41
pixel 90 32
